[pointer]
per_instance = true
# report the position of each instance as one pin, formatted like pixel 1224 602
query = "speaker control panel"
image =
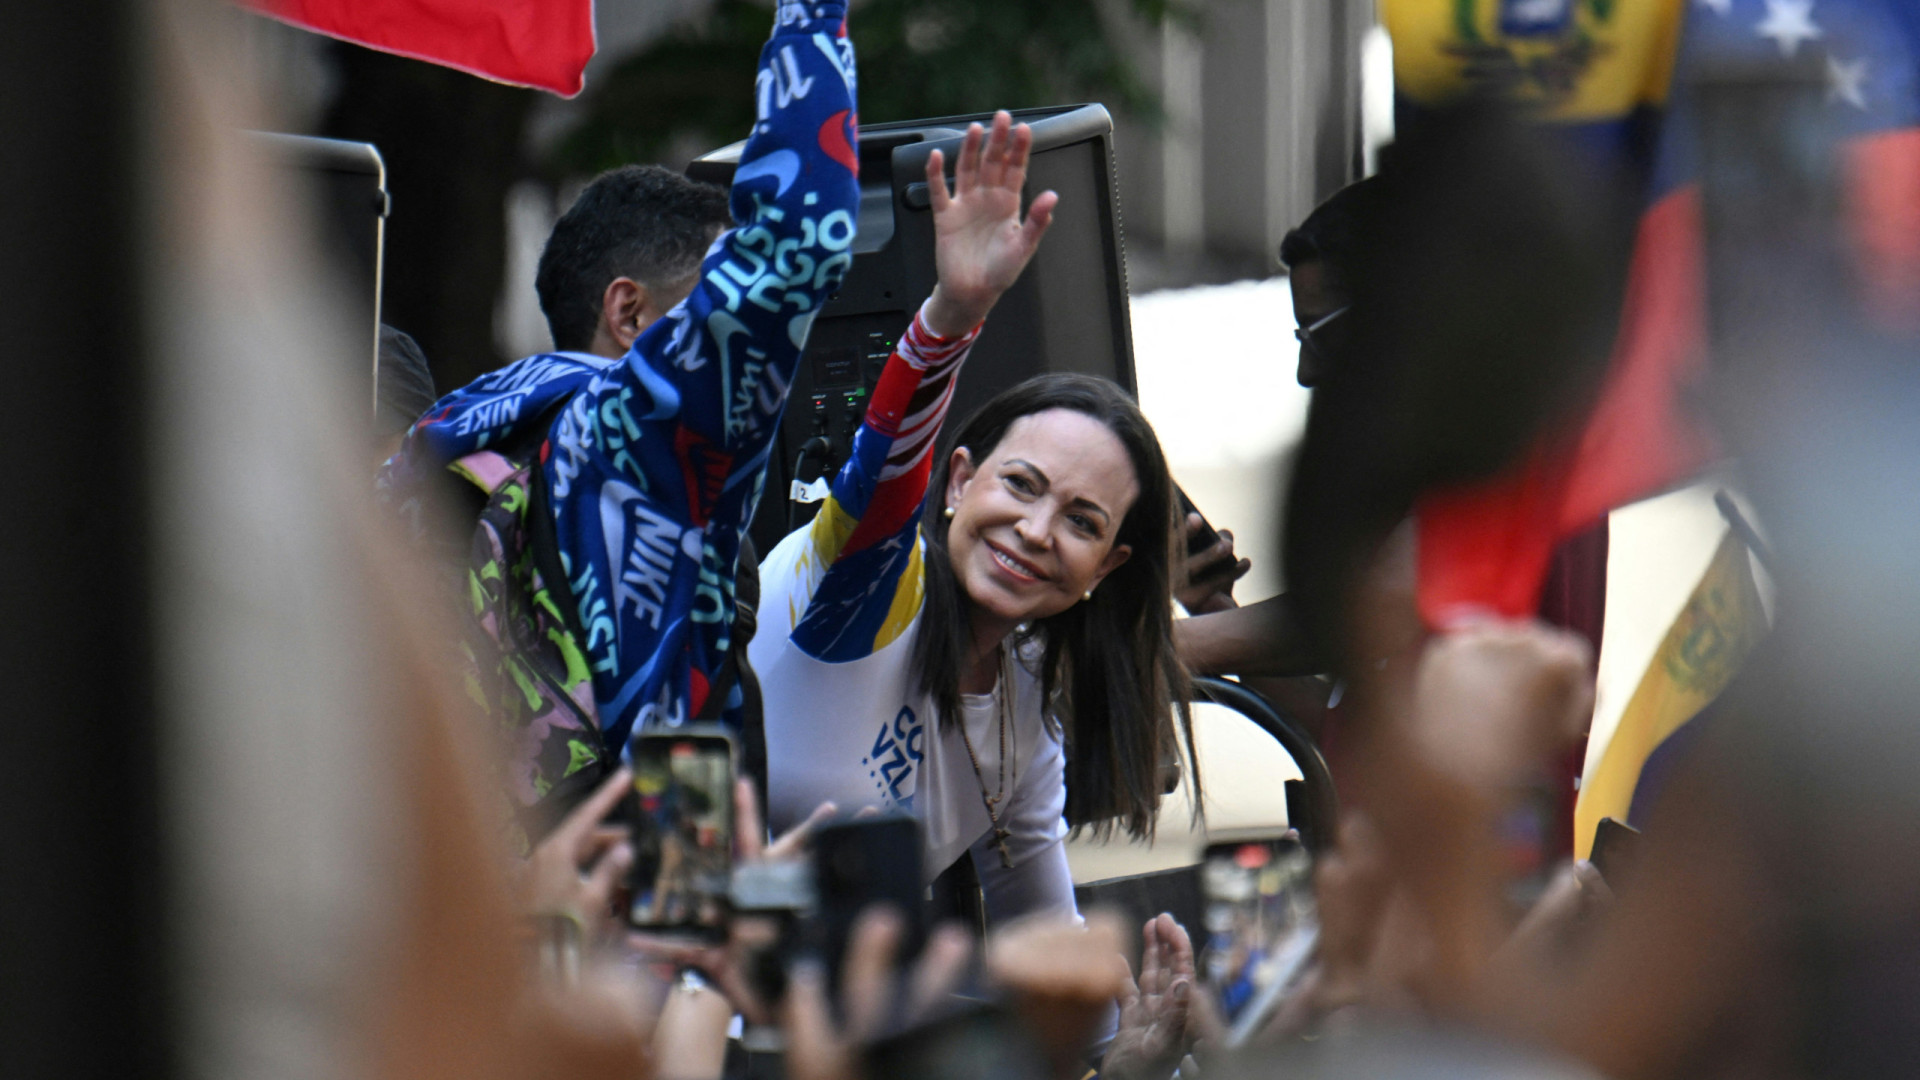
pixel 844 359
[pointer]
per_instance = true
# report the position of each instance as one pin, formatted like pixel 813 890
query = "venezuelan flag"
pixel 1722 622
pixel 1602 66
pixel 1606 71
pixel 1600 71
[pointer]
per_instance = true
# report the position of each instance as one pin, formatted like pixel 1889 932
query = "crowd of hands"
pixel 672 1000
pixel 1417 918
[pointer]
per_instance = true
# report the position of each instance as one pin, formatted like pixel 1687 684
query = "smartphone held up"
pixel 1261 926
pixel 683 829
pixel 861 862
pixel 684 881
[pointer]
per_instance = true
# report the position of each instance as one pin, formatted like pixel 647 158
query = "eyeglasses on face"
pixel 1304 334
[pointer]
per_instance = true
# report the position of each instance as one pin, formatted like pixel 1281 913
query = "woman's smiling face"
pixel 1034 524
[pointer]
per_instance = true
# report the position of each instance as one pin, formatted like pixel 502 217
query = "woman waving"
pixel 991 650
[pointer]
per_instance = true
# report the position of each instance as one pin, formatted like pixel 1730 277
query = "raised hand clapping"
pixel 981 245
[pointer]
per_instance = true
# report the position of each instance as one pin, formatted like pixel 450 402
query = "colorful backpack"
pixel 522 658
pixel 519 654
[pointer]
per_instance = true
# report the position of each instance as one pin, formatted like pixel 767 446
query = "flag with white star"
pixel 1865 49
pixel 1867 54
pixel 1489 547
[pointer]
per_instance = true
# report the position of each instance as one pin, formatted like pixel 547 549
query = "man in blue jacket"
pixel 650 433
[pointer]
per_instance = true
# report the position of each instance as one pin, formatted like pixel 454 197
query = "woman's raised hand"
pixel 980 243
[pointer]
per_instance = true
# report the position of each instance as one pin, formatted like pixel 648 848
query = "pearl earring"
pixel 1088 595
pixel 947 513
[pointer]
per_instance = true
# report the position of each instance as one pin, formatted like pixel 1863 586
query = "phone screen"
pixel 1261 925
pixel 683 832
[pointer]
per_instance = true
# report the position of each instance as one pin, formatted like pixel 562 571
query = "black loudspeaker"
pixel 1067 313
pixel 348 181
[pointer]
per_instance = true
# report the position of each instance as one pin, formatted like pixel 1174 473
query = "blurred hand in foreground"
pixel 1489 705
pixel 599 1027
pixel 1550 936
pixel 1061 979
pixel 875 1000
pixel 1352 885
pixel 1493 700
pixel 577 868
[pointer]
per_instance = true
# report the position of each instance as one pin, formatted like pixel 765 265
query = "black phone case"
pixel 860 863
pixel 1207 536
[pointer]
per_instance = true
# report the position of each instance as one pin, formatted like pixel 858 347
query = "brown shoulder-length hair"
pixel 1108 671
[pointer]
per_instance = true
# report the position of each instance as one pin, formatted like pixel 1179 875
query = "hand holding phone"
pixel 1201 539
pixel 1205 583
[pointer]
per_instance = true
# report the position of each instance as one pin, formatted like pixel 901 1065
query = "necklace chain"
pixel 1003 709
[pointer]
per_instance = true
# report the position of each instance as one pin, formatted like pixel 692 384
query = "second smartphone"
pixel 683 826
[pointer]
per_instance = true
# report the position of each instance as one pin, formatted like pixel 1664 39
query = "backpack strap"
pixel 488 469
pixel 543 543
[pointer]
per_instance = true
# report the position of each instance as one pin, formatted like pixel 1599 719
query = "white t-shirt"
pixel 860 733
pixel 840 606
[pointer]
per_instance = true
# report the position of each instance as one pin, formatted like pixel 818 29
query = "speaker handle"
pixel 1049 133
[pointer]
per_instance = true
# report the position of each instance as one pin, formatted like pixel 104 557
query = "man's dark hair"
pixel 638 221
pixel 406 383
pixel 1329 233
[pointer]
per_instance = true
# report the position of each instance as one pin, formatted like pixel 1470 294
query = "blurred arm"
pixel 1259 639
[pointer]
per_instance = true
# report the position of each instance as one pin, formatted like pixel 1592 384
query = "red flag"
pixel 1883 212
pixel 1488 545
pixel 539 43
